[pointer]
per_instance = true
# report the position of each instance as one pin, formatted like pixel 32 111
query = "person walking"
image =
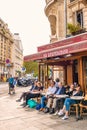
pixel 11 86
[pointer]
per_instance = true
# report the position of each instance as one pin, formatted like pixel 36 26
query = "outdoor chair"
pixel 83 106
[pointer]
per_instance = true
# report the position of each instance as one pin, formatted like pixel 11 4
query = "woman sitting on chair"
pixel 68 102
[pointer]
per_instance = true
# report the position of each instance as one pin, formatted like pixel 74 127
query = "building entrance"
pixel 85 73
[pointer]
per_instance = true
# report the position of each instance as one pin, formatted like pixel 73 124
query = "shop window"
pixel 79 17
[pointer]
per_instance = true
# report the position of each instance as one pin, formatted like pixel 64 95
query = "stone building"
pixel 17 55
pixel 6 44
pixel 77 12
pixel 62 12
pixel 11 52
pixel 54 10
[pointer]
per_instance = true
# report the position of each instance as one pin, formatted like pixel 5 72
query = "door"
pixel 85 73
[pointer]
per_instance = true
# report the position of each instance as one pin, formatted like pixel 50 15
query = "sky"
pixel 27 17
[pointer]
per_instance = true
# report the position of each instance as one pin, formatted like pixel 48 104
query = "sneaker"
pixel 56 113
pixel 18 100
pixel 60 113
pixel 22 104
pixel 46 110
pixel 41 109
pixel 65 117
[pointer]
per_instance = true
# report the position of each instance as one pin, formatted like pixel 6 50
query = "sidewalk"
pixel 14 117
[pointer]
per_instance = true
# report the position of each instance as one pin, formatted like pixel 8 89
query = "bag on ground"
pixel 31 103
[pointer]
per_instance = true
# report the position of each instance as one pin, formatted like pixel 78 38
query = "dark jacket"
pixel 80 93
pixel 62 91
pixel 34 88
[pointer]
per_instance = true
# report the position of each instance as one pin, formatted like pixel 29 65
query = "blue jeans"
pixel 68 102
pixel 43 99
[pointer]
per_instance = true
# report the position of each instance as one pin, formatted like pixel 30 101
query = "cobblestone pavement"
pixel 14 117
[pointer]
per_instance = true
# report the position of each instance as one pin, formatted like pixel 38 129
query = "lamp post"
pixel 65 17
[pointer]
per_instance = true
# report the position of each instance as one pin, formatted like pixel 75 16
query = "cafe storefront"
pixel 69 55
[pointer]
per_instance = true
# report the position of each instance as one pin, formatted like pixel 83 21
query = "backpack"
pixel 31 103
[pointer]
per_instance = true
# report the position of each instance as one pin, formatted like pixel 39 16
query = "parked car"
pixel 25 81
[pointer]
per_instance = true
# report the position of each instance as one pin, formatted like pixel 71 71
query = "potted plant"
pixel 75 29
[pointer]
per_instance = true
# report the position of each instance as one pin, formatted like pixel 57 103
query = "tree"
pixel 31 67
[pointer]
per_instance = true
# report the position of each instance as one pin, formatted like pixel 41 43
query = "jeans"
pixel 68 102
pixel 43 99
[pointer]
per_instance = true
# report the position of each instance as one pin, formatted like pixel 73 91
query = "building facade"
pixel 69 53
pixel 54 10
pixel 77 12
pixel 62 12
pixel 6 44
pixel 17 55
pixel 11 52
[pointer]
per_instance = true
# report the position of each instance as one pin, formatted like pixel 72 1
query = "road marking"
pixel 3 97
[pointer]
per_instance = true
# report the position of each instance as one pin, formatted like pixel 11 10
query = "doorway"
pixel 85 73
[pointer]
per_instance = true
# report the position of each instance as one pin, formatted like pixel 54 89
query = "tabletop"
pixel 77 97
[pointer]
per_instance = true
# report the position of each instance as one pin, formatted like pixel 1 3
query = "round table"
pixel 61 96
pixel 77 97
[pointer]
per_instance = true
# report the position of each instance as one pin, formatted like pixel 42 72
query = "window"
pixel 79 17
pixel 72 0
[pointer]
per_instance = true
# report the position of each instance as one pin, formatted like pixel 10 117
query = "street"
pixel 14 117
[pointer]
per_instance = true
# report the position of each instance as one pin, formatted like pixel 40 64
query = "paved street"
pixel 14 117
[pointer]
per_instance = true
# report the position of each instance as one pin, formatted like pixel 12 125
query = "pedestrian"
pixel 11 86
pixel 14 84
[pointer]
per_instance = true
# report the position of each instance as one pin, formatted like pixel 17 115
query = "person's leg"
pixel 54 103
pixel 14 90
pixel 49 102
pixel 9 89
pixel 68 103
pixel 53 106
pixel 48 105
pixel 29 96
pixel 22 96
pixel 43 101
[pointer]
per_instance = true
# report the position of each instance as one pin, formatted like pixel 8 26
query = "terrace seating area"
pixel 49 100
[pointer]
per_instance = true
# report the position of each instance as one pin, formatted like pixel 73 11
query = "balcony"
pixel 48 3
pixel 73 2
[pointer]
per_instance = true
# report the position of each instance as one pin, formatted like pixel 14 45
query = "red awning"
pixel 59 51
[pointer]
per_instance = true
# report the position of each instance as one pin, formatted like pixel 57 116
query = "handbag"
pixel 38 106
pixel 31 103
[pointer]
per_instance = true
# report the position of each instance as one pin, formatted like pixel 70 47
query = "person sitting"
pixel 24 94
pixel 52 100
pixel 59 103
pixel 68 102
pixel 70 90
pixel 51 90
pixel 34 94
pixel 56 82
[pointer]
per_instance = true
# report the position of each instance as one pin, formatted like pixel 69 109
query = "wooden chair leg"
pixel 80 111
pixel 76 110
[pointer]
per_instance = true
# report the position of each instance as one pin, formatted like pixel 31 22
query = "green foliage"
pixel 31 67
pixel 73 28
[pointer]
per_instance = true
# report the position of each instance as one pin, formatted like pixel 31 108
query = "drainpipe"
pixel 65 17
